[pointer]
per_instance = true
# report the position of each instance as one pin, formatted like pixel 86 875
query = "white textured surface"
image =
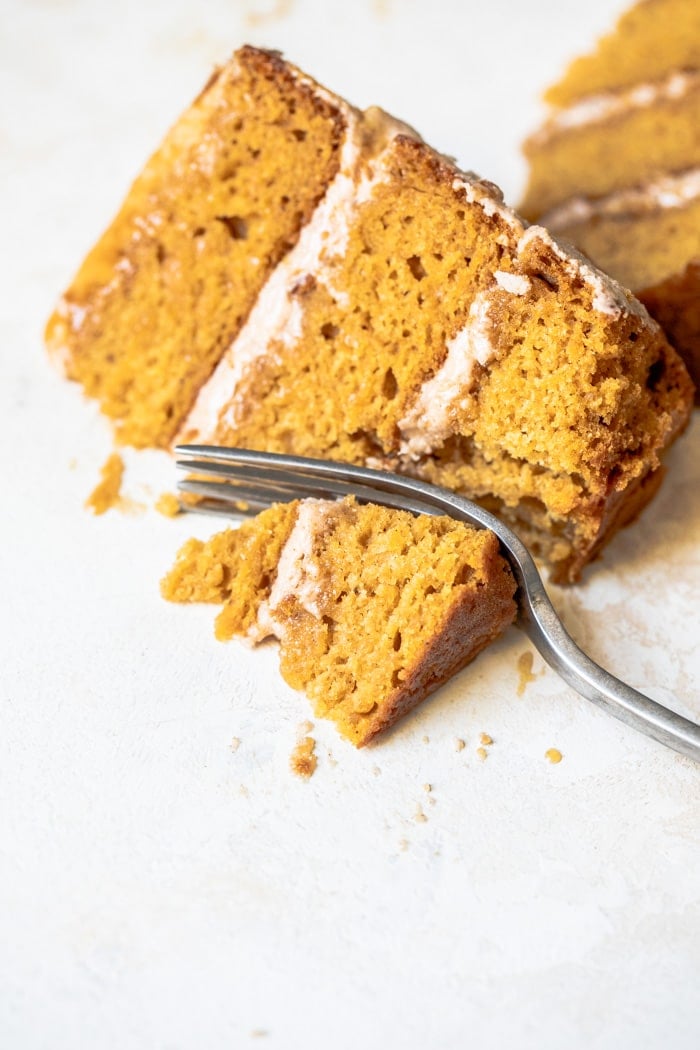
pixel 161 890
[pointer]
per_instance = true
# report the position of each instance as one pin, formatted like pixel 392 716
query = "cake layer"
pixel 167 287
pixel 433 333
pixel 374 608
pixel 651 40
pixel 610 141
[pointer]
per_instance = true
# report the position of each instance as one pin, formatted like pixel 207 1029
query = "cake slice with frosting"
pixel 374 608
pixel 293 275
pixel 616 167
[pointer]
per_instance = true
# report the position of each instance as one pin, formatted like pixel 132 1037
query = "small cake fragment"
pixel 553 755
pixel 107 493
pixel 168 505
pixel 374 608
pixel 615 169
pixel 303 760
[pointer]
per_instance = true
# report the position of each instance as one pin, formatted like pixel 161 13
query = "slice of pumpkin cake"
pixel 374 608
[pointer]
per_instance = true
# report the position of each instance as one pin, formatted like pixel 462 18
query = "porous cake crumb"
pixel 168 505
pixel 303 759
pixel 485 740
pixel 482 753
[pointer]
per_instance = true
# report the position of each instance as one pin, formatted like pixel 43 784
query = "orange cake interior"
pixel 374 608
pixel 616 167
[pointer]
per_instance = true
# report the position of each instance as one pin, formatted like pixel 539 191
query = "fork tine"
pixel 298 477
pixel 266 492
pixel 368 484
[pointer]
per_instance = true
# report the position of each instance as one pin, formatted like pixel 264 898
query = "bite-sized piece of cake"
pixel 374 608
pixel 652 39
pixel 616 167
pixel 609 141
pixel 167 287
pixel 649 239
pixel 419 325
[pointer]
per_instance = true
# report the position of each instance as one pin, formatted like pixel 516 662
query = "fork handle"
pixel 557 647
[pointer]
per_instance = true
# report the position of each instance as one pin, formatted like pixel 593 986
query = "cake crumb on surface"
pixel 168 505
pixel 459 744
pixel 553 755
pixel 485 740
pixel 107 492
pixel 303 761
pixel 482 753
pixel 304 728
pixel 235 743
pixel 525 661
pixel 420 817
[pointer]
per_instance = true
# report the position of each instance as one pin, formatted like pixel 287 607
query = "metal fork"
pixel 233 480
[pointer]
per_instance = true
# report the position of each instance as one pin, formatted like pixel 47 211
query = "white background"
pixel 161 890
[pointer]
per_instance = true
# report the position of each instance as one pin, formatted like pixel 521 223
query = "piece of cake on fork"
pixel 374 608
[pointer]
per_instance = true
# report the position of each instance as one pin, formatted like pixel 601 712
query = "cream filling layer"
pixel 598 108
pixel 671 191
pixel 298 573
